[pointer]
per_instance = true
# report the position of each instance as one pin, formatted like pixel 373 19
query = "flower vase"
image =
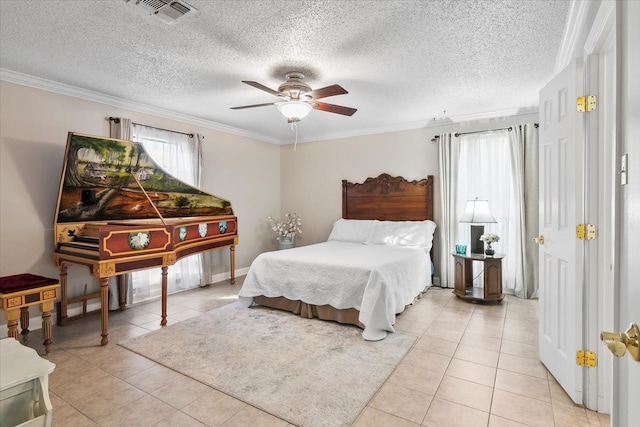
pixel 489 250
pixel 285 242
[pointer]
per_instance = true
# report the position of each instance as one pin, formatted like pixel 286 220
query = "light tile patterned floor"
pixel 472 365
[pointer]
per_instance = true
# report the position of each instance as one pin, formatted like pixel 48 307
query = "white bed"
pixel 374 267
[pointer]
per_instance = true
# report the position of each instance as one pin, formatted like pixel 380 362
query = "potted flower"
pixel 489 239
pixel 286 230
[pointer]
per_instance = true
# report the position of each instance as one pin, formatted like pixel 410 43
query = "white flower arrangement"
pixel 289 227
pixel 490 238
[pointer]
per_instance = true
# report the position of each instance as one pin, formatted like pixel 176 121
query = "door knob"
pixel 539 240
pixel 621 342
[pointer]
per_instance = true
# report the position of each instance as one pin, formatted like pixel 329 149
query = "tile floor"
pixel 472 365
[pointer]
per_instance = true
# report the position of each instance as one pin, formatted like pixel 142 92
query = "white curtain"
pixel 524 157
pixel 181 156
pixel 485 172
pixel 501 167
pixel 449 154
pixel 119 128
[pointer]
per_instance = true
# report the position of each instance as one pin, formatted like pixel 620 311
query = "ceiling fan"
pixel 298 99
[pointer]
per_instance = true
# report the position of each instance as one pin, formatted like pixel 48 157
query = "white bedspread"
pixel 377 280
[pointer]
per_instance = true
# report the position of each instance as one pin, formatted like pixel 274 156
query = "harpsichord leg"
pixel 62 319
pixel 165 272
pixel 104 309
pixel 232 264
pixel 122 291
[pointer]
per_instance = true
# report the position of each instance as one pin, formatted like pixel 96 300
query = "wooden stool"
pixel 20 291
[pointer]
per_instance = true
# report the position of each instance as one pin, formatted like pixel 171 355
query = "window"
pixel 485 172
pixel 179 155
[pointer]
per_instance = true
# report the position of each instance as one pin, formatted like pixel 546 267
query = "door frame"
pixel 601 205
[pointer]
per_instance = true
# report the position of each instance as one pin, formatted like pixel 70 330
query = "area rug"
pixel 308 372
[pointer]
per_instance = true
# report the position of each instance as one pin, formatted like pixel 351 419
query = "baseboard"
pixel 221 277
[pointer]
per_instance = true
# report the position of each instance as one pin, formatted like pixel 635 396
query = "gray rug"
pixel 307 371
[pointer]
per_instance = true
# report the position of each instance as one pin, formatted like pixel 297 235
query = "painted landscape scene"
pixel 111 179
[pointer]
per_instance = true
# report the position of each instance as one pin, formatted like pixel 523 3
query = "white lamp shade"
pixel 478 212
pixel 295 110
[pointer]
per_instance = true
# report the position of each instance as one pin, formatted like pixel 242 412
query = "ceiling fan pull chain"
pixel 294 128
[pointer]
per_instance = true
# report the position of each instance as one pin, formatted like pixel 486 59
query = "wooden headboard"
pixel 388 198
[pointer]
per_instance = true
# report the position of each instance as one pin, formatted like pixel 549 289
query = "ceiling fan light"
pixel 295 110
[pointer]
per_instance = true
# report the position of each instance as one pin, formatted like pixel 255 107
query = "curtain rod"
pixel 117 120
pixel 510 128
pixel 457 134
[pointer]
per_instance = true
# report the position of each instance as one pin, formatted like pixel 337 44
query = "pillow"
pixel 352 230
pixel 417 234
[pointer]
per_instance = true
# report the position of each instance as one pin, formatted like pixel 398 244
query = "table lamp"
pixel 477 213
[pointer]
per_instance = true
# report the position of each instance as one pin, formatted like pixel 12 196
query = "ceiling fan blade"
pixel 262 87
pixel 327 91
pixel 252 106
pixel 331 108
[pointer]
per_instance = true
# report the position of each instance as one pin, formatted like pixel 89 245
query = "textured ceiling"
pixel 404 63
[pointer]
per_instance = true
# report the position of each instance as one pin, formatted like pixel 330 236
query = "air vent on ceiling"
pixel 167 10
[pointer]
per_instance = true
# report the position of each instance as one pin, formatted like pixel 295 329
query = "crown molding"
pixel 426 124
pixel 64 89
pixel 575 23
pixel 88 95
pixel 512 112
pixel 363 132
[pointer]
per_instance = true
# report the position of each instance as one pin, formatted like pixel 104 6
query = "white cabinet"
pixel 24 386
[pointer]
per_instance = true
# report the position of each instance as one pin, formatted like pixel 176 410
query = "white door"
pixel 560 278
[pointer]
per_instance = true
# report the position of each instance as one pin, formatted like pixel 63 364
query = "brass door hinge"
pixel 587 103
pixel 586 231
pixel 586 358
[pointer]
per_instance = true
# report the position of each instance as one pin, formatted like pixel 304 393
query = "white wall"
pixel 33 132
